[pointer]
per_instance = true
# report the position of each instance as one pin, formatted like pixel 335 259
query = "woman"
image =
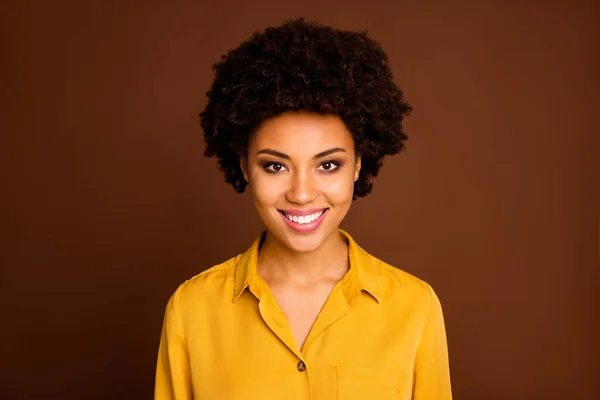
pixel 303 115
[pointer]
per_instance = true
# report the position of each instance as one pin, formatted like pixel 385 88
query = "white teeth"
pixel 305 219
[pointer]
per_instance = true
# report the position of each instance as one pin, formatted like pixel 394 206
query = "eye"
pixel 274 167
pixel 329 166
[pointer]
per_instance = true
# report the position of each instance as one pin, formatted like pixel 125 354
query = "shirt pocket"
pixel 369 383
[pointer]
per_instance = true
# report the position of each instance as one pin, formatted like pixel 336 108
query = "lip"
pixel 304 228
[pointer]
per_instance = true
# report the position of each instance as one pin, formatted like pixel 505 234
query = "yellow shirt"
pixel 380 335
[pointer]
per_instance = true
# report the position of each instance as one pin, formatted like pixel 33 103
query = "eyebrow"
pixel 285 156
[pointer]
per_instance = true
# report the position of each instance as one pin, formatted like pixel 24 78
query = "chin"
pixel 304 244
pixel 300 243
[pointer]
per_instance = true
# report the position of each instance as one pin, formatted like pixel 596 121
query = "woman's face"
pixel 301 168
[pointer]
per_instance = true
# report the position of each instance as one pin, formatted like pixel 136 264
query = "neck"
pixel 278 263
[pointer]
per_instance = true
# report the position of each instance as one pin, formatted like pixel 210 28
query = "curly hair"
pixel 304 65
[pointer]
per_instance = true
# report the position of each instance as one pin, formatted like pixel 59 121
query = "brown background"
pixel 108 204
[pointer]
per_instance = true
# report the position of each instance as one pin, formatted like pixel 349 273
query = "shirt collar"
pixel 362 274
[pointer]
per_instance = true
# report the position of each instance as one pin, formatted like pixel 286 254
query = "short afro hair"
pixel 304 65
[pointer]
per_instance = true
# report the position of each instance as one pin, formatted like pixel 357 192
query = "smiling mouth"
pixel 303 219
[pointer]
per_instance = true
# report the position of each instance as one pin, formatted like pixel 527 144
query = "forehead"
pixel 302 132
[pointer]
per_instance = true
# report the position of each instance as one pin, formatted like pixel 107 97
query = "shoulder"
pixel 391 283
pixel 209 285
pixel 399 284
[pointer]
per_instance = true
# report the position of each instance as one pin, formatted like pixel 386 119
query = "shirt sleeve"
pixel 173 367
pixel 432 372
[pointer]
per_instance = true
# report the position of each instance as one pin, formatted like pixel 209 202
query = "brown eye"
pixel 329 166
pixel 274 167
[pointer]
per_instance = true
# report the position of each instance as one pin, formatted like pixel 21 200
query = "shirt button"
pixel 301 366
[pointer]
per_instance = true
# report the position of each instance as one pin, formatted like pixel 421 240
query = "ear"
pixel 244 167
pixel 358 165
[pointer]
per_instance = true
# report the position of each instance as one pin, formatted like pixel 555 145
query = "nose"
pixel 302 188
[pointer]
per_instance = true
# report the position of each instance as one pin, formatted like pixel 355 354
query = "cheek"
pixel 265 190
pixel 339 190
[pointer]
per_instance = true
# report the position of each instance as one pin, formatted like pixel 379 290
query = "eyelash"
pixel 269 164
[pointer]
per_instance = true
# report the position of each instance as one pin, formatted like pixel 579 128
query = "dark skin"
pixel 309 163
